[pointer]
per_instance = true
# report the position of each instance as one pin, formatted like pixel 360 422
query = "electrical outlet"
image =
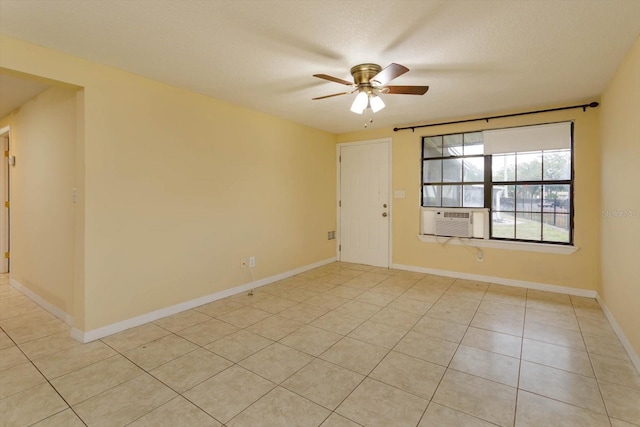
pixel 252 261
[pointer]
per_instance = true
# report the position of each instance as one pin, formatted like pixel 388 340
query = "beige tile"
pixel 485 364
pixel 356 355
pixel 158 352
pixel 73 358
pixel 363 283
pixel 187 371
pixel 409 305
pixel 80 385
pixel 276 362
pixel 549 306
pixel 361 310
pixel 124 403
pixel 337 322
pixel 553 335
pixel 458 301
pixel 396 318
pixel 476 396
pixel 319 286
pixel 207 332
pixel 605 346
pixel 48 345
pixel 618 423
pixel 622 402
pixel 228 393
pixel 441 329
pixel 11 356
pixel 376 404
pixel 440 416
pixel 326 301
pixel 18 378
pixel 219 307
pixel 243 317
pixel 585 302
pixel 599 327
pixel 422 294
pixel 239 345
pixel 427 348
pixel 450 313
pixel 182 320
pixel 505 298
pixel 560 385
pixel 18 308
pixel 311 340
pixel 135 337
pixel 502 309
pixel 410 374
pixel 177 412
pixel 298 295
pixel 555 356
pixel 303 313
pixel 495 323
pixel 274 304
pixel 275 327
pixel 344 292
pixel 375 298
pixel 66 418
pixel 555 319
pixel 535 411
pixel 280 407
pixel 30 406
pixel 496 342
pixel 336 420
pixel 534 294
pixel 615 371
pixel 324 383
pixel 32 326
pixel 378 334
pixel 5 341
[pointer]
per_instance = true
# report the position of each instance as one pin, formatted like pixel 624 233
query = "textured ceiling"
pixel 477 56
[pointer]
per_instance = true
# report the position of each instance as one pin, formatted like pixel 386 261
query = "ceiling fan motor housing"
pixel 363 73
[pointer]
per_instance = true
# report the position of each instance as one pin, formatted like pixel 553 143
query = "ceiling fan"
pixel 370 80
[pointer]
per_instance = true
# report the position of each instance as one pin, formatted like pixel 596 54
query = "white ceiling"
pixel 478 57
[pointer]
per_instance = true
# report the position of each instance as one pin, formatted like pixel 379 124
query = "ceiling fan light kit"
pixel 369 80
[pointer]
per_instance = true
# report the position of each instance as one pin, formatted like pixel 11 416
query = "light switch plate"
pixel 399 194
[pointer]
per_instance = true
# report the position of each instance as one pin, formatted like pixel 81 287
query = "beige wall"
pixel 579 270
pixel 620 133
pixel 178 187
pixel 43 141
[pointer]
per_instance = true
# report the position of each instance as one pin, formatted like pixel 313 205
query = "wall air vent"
pixel 453 224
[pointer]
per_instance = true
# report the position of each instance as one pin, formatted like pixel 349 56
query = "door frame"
pixel 5 191
pixel 389 142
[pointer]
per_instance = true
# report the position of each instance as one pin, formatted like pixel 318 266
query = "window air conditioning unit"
pixel 453 223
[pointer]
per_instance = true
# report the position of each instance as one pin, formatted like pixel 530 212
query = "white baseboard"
pixel 113 328
pixel 501 281
pixel 635 359
pixel 60 314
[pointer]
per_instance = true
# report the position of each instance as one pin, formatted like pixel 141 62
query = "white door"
pixel 4 197
pixel 364 203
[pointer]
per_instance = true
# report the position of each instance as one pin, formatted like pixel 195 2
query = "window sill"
pixel 499 244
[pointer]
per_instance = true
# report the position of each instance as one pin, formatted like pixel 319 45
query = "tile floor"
pixel 341 345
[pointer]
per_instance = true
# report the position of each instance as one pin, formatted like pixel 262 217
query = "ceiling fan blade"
pixel 389 73
pixel 335 94
pixel 333 79
pixel 405 90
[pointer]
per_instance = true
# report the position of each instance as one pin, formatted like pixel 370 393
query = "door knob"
pixel 384 214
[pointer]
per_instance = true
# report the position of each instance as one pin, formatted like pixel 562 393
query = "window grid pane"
pixel 531 191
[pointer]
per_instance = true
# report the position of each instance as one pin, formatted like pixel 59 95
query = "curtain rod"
pixel 583 106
